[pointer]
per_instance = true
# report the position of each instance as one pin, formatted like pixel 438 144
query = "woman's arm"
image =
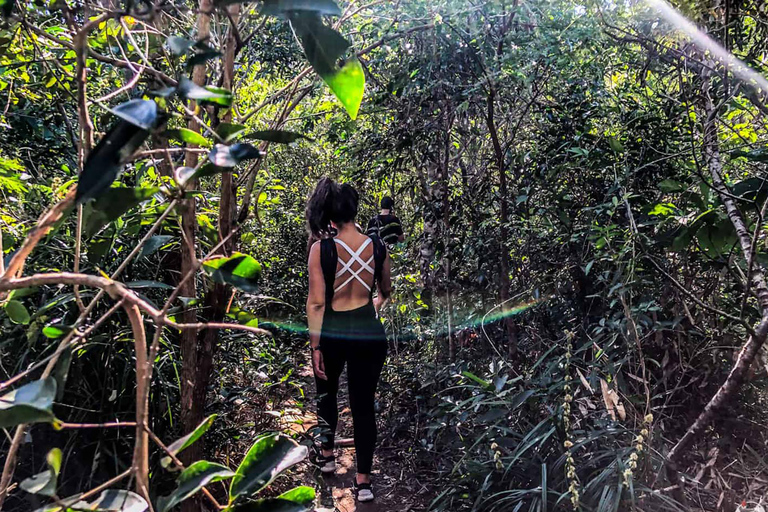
pixel 385 284
pixel 316 307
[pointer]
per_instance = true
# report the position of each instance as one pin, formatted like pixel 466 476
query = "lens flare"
pixel 702 40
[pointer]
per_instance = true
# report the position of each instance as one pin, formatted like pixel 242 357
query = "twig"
pixel 180 465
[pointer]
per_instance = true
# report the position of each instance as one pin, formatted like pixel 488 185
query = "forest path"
pixel 395 486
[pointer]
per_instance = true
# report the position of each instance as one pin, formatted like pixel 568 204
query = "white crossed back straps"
pixel 354 256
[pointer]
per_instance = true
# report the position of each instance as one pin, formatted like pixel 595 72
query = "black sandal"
pixel 326 464
pixel 363 492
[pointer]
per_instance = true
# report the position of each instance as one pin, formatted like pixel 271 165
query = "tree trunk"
pixel 446 226
pixel 429 237
pixel 503 219
pixel 192 408
pixel 215 304
pixel 749 351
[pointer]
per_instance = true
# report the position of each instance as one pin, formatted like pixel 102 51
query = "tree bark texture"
pixel 192 408
pixel 503 220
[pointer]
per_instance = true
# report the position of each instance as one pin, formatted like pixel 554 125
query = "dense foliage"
pixel 580 305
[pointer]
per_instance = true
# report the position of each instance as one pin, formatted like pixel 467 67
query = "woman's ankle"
pixel 327 453
pixel 363 478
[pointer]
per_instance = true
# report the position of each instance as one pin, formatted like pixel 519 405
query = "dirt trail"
pixel 395 487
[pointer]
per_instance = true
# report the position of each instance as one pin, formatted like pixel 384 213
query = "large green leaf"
pixel 269 456
pixel 751 189
pixel 112 205
pixel 348 84
pixel 183 442
pixel 111 500
pixel 153 244
pixel 31 403
pixel 323 46
pixel 141 113
pixel 188 136
pixel 191 480
pixel 279 136
pixel 230 156
pixel 756 155
pixel 179 45
pixel 213 95
pixel 229 131
pixel 45 483
pixel 114 500
pixel 671 186
pixel 72 501
pixel 61 369
pixel 106 161
pixel 17 312
pixel 239 270
pixel 283 8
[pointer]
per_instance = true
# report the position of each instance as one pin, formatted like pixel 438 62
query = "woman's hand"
pixel 379 302
pixel 318 365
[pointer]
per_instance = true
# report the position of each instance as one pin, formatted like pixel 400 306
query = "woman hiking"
pixel 345 266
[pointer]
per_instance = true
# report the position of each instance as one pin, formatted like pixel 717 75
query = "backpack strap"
pixel 328 259
pixel 379 254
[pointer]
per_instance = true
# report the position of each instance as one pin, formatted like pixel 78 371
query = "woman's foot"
pixel 326 461
pixel 363 490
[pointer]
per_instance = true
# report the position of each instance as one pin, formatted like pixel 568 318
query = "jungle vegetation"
pixel 580 306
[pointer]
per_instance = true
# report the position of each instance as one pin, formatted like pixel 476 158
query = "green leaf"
pixel 242 316
pixel 323 46
pixel 153 244
pixel 663 209
pixel 183 442
pixel 17 312
pixel 213 95
pixel 188 136
pixel 111 500
pixel 183 174
pixel 239 270
pixel 112 205
pixel 55 331
pixel 279 136
pixel 752 189
pixel 269 456
pixel 61 370
pixel 755 155
pixel 230 156
pixel 477 379
pixel 283 8
pixel 45 483
pixel 616 146
pixel 72 501
pixel 179 45
pixel 348 84
pixel 31 403
pixel 141 113
pixel 191 480
pixel 202 57
pixel 304 495
pixel 106 161
pixel 229 131
pixel 672 186
pixel 119 501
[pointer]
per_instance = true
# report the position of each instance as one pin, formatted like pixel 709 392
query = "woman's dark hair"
pixel 330 202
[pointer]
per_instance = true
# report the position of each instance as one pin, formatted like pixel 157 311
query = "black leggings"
pixel 355 338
